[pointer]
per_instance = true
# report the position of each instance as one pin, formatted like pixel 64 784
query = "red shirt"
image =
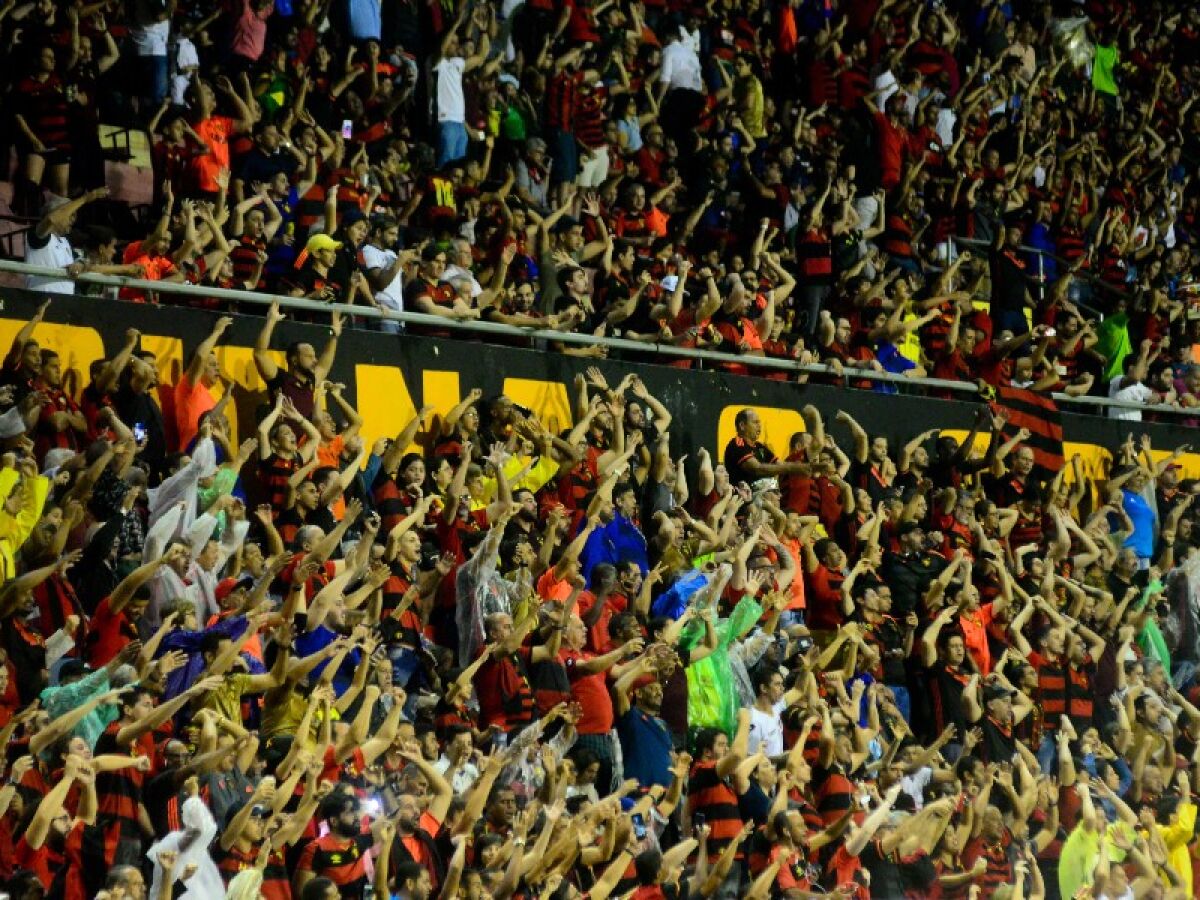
pixel 109 634
pixel 589 690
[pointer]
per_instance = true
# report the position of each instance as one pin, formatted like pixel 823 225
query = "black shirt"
pixel 136 408
pixel 738 452
pixel 910 575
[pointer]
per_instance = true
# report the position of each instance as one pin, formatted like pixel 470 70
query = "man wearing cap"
pixel 911 571
pixel 47 244
pixel 78 683
pixel 246 830
pixel 999 743
pixel 646 744
pixel 1166 484
pixel 315 276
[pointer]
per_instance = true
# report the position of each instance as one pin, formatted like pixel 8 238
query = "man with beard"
pixel 298 382
pixel 385 270
pixel 53 840
pixel 341 855
pixel 646 743
pixel 246 827
pixel 417 828
pixel 119 792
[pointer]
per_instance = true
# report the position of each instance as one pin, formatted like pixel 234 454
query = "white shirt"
pixel 392 296
pixel 1135 393
pixel 914 786
pixel 464 778
pixel 766 730
pixel 681 67
pixel 151 40
pixel 56 253
pixel 885 85
pixel 451 105
pixel 454 272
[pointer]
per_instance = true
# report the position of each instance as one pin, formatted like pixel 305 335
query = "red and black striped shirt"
pixel 713 797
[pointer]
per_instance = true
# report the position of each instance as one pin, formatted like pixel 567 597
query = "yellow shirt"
pixel 15 530
pixel 1176 838
pixel 227 699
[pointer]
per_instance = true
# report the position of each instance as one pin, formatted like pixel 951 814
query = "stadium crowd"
pixel 484 659
pixel 796 180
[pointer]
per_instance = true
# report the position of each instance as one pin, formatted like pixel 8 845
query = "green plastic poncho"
pixel 712 697
pixel 223 483
pixel 1151 639
pixel 1104 68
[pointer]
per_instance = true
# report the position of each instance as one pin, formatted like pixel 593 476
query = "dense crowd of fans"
pixel 483 659
pixel 792 180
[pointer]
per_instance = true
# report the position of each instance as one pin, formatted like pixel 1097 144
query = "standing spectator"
pixel 450 104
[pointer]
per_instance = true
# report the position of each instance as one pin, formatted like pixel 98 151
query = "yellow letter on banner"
pixel 547 399
pixel 383 401
pixel 76 346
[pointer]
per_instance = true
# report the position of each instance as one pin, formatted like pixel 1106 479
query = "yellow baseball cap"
pixel 322 242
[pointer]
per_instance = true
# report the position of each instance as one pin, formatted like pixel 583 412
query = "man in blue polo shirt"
pixel 645 740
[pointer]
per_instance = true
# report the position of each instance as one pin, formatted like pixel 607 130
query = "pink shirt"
pixel 250 30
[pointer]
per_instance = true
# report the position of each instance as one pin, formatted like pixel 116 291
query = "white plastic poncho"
pixel 246 885
pixel 199 825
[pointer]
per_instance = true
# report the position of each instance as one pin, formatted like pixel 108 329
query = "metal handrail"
pixel 414 318
pixel 567 337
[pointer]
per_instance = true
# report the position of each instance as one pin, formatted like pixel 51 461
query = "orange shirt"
pixel 191 402
pixel 215 131
pixel 551 588
pixel 154 268
pixel 329 455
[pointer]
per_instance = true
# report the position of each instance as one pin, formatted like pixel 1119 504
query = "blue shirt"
pixel 646 748
pixel 366 21
pixel 893 361
pixel 1142 517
